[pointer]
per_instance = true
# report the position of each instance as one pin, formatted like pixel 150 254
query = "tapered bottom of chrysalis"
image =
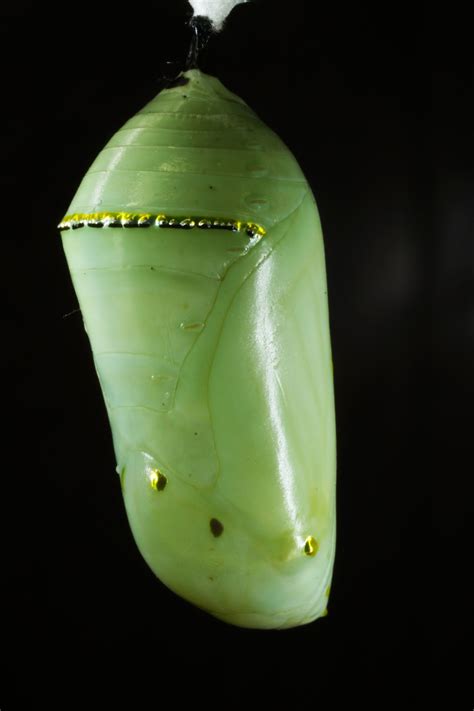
pixel 199 546
pixel 281 621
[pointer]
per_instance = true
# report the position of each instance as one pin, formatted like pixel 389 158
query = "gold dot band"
pixel 142 220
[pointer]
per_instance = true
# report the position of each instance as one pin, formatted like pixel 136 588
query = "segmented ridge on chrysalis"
pixel 143 220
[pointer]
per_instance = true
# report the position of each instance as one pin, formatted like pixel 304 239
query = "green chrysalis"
pixel 196 252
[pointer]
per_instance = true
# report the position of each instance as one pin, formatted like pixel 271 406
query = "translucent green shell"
pixel 212 347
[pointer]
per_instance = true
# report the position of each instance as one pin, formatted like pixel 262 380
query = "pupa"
pixel 196 252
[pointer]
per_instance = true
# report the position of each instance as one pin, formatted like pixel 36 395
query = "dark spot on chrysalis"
pixel 161 484
pixel 216 527
pixel 158 480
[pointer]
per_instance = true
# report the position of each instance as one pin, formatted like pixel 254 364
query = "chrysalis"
pixel 196 252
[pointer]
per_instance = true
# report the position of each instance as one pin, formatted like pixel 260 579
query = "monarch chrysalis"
pixel 196 252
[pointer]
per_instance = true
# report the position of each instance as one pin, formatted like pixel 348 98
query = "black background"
pixel 390 161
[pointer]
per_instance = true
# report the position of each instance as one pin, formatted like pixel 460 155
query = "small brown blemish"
pixel 216 527
pixel 257 202
pixel 256 170
pixel 196 326
pixel 311 546
pixel 158 480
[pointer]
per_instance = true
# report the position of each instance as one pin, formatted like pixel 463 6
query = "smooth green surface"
pixel 213 352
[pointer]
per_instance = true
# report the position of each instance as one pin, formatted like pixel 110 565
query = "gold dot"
pixel 311 546
pixel 158 480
